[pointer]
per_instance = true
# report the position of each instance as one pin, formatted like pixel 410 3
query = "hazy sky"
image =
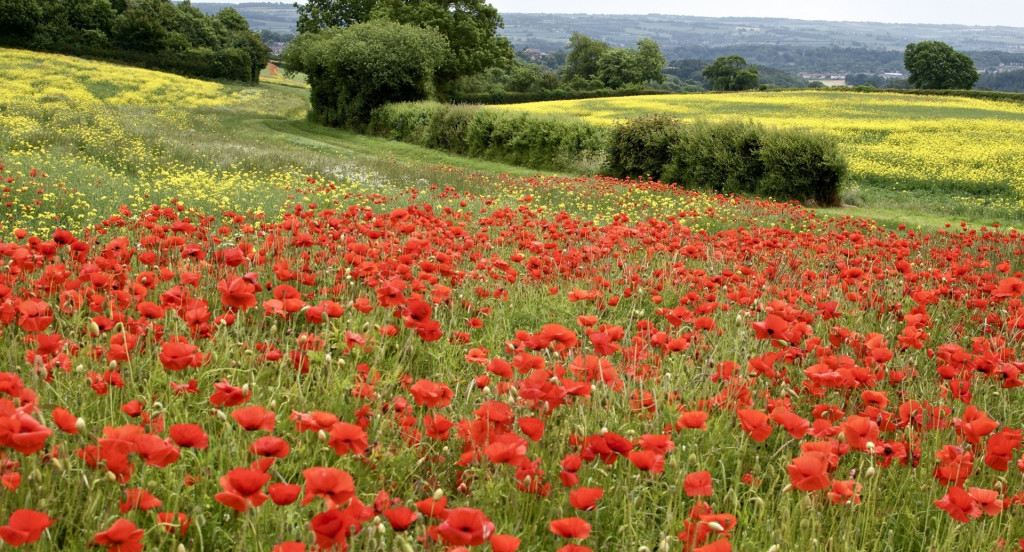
pixel 966 12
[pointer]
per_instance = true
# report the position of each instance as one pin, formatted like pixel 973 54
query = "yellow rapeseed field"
pixel 112 135
pixel 905 141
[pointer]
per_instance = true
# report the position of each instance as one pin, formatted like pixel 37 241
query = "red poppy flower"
pixel 24 527
pixel 585 498
pixel 253 418
pixel 987 499
pixel 698 484
pixel 647 460
pixel 270 446
pixel 401 518
pixel 138 499
pixel 465 527
pixel 345 437
pixel 695 419
pixel 809 471
pixel 433 508
pixel 844 492
pixel 243 488
pixel 156 451
pixel 121 536
pixel 755 423
pixel 430 394
pixel 334 485
pixel 960 505
pixel 570 528
pixel 859 431
pixel 284 493
pixel 504 543
pixel 65 420
pixel 189 435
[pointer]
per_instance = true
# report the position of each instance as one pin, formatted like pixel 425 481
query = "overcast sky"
pixel 966 12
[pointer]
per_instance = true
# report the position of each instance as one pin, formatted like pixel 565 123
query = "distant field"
pixel 966 150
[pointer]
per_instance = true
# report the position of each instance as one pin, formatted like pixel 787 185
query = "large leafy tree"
pixel 470 27
pixel 937 66
pixel 583 61
pixel 731 73
pixel 352 70
pixel 317 15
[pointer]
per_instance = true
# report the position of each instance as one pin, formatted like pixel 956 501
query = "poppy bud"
pixel 715 526
pixel 220 414
pixel 94 328
pixel 870 472
pixel 112 365
pixel 773 548
pixel 181 548
pixel 643 549
pixel 111 476
pixel 322 435
pixel 438 494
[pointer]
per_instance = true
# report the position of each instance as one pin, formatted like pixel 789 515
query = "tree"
pixel 618 68
pixel 731 73
pixel 316 15
pixel 937 66
pixel 469 26
pixel 354 69
pixel 650 61
pixel 584 56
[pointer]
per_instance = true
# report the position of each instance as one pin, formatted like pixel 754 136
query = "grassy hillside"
pixel 954 158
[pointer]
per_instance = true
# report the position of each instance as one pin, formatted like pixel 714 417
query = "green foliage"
pixel 937 66
pixel 592 64
pixel 729 157
pixel 584 57
pixel 150 33
pixel 317 15
pixel 545 142
pixel 355 69
pixel 642 146
pixel 800 165
pixel 730 73
pixel 470 27
pixel 19 18
pixel 1009 81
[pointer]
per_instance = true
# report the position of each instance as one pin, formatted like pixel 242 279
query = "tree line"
pixel 155 34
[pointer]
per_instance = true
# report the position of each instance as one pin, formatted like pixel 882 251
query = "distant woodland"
pixel 780 48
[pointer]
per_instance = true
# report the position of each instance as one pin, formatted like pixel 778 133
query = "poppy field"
pixel 497 362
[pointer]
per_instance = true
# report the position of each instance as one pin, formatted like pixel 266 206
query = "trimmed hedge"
pixel 543 142
pixel 507 97
pixel 729 157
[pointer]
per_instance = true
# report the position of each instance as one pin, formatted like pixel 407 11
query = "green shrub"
pixel 801 165
pixel 642 146
pixel 731 157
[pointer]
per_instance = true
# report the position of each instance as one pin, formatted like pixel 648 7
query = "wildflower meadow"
pixel 200 355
